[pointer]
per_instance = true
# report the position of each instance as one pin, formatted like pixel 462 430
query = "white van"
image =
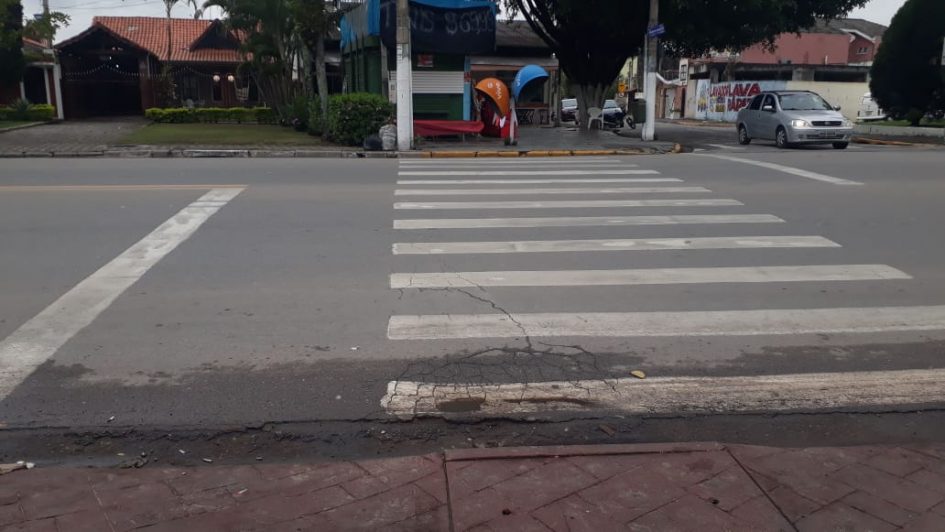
pixel 869 110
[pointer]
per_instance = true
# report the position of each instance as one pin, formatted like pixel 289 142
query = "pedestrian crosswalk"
pixel 588 181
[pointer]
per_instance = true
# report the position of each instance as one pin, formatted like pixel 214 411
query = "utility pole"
pixel 404 78
pixel 649 83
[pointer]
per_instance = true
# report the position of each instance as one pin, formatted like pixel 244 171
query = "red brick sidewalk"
pixel 704 487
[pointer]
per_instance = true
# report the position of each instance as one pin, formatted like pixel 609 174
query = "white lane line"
pixel 538 181
pixel 670 395
pixel 555 164
pixel 666 324
pixel 547 191
pixel 510 161
pixel 38 339
pixel 786 169
pixel 566 204
pixel 771 274
pixel 640 244
pixel 527 172
pixel 726 147
pixel 587 221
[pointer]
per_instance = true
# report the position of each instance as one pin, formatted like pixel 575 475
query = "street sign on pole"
pixel 656 31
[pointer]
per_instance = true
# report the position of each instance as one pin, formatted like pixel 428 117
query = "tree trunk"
pixel 321 74
pixel 306 57
pixel 589 96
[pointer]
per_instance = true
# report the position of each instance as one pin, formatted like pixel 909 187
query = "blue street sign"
pixel 656 31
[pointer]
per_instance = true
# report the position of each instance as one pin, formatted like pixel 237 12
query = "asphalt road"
pixel 272 301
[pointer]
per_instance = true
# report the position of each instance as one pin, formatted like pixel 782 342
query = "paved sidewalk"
pixel 102 137
pixel 686 487
pixel 69 137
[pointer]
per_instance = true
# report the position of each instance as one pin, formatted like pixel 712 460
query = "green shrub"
pixel 353 117
pixel 42 113
pixel 20 109
pixel 24 110
pixel 211 115
pixel 296 113
pixel 266 115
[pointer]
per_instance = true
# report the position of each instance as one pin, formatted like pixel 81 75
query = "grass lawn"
pixel 7 124
pixel 905 123
pixel 220 134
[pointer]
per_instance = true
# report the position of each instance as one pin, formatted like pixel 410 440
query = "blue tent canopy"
pixel 527 75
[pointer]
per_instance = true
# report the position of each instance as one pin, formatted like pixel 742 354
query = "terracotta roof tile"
pixel 150 33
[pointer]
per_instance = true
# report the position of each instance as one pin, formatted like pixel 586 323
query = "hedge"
pixel 354 117
pixel 212 115
pixel 35 113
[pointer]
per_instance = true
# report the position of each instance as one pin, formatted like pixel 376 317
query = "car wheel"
pixel 780 138
pixel 840 145
pixel 743 137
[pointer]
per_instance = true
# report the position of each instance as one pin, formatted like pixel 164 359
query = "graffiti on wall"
pixel 722 101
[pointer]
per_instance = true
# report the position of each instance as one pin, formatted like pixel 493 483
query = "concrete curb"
pixel 886 142
pixel 334 154
pixel 459 455
pixel 24 126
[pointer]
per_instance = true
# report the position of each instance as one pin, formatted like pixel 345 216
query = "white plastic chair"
pixel 595 114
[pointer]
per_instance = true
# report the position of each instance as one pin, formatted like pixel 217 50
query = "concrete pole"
pixel 404 78
pixel 649 83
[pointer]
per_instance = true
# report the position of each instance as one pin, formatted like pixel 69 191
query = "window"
pixel 769 100
pixel 863 50
pixel 755 104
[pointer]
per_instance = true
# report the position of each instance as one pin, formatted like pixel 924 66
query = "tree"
pixel 45 26
pixel 908 78
pixel 12 62
pixel 313 20
pixel 594 38
pixel 280 39
pixel 271 45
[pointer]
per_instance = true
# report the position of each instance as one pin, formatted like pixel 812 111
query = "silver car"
pixel 793 117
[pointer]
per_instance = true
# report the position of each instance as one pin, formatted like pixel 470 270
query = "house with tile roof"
pixel 40 83
pixel 117 66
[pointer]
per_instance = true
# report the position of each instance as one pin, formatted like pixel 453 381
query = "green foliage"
pixel 266 115
pixel 593 38
pixel 277 35
pixel 211 115
pixel 698 26
pixel 23 110
pixel 908 78
pixel 12 62
pixel 353 117
pixel 296 113
pixel 46 26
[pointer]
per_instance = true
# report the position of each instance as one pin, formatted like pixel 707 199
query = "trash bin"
pixel 638 110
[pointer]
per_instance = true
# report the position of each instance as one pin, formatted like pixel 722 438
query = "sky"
pixel 82 11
